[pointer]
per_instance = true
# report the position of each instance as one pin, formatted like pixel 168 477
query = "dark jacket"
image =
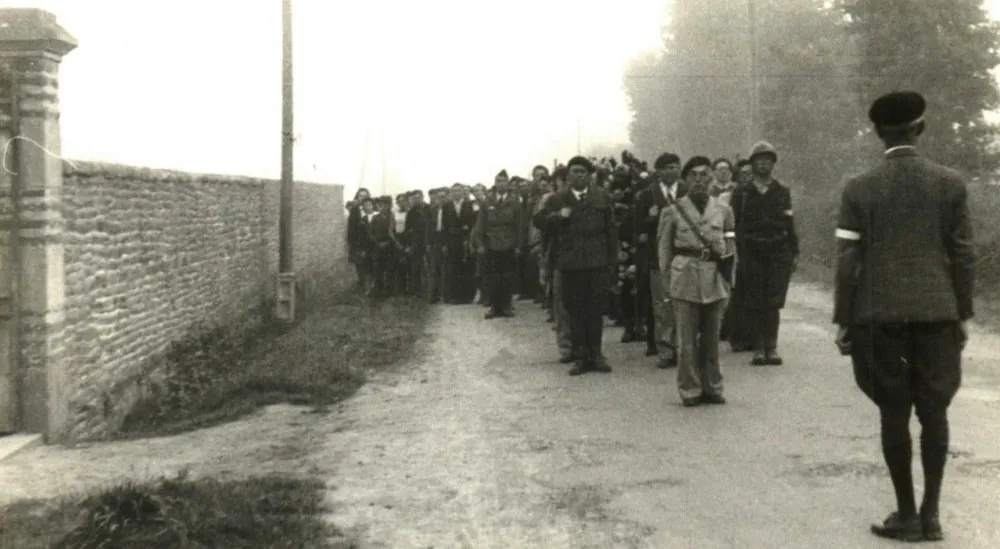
pixel 906 251
pixel 499 226
pixel 416 227
pixel 647 224
pixel 357 234
pixel 588 238
pixel 766 245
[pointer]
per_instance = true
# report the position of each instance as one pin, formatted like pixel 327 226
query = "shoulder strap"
pixel 680 210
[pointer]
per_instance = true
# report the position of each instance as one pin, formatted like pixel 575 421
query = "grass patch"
pixel 261 513
pixel 319 361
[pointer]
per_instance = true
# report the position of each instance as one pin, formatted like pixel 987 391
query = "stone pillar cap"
pixel 26 29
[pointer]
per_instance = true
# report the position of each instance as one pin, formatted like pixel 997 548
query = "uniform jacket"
pixel 905 244
pixel 765 222
pixel 691 278
pixel 651 196
pixel 588 238
pixel 499 226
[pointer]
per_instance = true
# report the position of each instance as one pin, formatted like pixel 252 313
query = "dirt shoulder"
pixel 486 442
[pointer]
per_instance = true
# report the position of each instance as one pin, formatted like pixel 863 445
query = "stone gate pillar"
pixel 32 44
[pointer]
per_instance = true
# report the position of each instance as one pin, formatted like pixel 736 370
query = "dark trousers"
pixel 382 259
pixel 529 288
pixel 415 282
pixel 902 367
pixel 583 294
pixel 764 324
pixel 434 263
pixel 500 275
pixel 457 278
pixel 628 306
pixel 737 324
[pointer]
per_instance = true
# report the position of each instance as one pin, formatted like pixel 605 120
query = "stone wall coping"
pixel 89 169
pixel 33 29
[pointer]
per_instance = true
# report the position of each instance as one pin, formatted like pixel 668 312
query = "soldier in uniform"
pixel 663 192
pixel 586 252
pixel 695 233
pixel 905 278
pixel 499 237
pixel 767 250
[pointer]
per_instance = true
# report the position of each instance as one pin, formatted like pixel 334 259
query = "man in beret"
pixel 767 251
pixel 586 254
pixel 664 191
pixel 905 279
pixel 499 236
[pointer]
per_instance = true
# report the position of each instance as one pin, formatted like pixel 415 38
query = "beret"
pixel 897 108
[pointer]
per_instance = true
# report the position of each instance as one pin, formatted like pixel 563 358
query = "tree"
pixel 944 49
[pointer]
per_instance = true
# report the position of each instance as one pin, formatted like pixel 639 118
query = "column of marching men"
pixel 680 256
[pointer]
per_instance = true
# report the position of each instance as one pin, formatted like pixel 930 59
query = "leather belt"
pixel 704 254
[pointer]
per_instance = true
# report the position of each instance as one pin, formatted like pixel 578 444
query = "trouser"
pixel 629 313
pixel 737 323
pixel 560 316
pixel 530 288
pixel 661 324
pixel 433 260
pixel 698 370
pixel 763 327
pixel 583 295
pixel 400 272
pixel 382 269
pixel 902 367
pixel 415 285
pixel 455 278
pixel 499 268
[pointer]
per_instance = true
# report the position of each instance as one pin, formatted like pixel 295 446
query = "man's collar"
pixel 901 150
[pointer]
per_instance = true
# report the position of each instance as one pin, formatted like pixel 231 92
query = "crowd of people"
pixel 691 253
pixel 602 238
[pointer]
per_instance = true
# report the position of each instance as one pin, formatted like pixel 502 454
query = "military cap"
pixel 763 147
pixel 503 173
pixel 897 109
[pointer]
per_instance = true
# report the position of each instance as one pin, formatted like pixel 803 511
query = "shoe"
pixel 566 359
pixel 579 368
pixel 773 358
pixel 759 359
pixel 652 351
pixel 690 402
pixel 550 319
pixel 714 398
pixel 628 336
pixel 666 362
pixel 897 528
pixel 601 365
pixel 932 528
pixel 491 314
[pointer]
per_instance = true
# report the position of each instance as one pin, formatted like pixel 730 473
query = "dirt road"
pixel 484 441
pixel 488 443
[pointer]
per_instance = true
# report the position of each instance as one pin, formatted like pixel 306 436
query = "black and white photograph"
pixel 477 274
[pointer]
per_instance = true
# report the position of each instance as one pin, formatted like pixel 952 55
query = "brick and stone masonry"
pixel 106 265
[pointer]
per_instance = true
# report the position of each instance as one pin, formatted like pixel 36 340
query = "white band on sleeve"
pixel 729 234
pixel 788 212
pixel 844 234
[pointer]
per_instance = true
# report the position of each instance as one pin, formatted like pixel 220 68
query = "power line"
pixel 818 76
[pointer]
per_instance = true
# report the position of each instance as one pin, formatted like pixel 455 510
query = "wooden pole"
pixel 287 143
pixel 754 130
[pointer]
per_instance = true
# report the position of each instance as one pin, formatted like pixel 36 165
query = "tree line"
pixel 818 66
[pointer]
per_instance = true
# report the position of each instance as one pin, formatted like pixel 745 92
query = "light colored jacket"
pixel 691 278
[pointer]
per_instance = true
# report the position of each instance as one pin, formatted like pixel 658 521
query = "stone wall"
pixel 153 257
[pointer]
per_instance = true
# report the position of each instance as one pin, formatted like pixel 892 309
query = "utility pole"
pixel 285 302
pixel 578 147
pixel 754 87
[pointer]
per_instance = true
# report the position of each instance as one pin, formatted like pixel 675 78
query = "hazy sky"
pixel 444 90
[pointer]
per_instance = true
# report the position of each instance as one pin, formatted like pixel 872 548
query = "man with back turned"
pixel 903 295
